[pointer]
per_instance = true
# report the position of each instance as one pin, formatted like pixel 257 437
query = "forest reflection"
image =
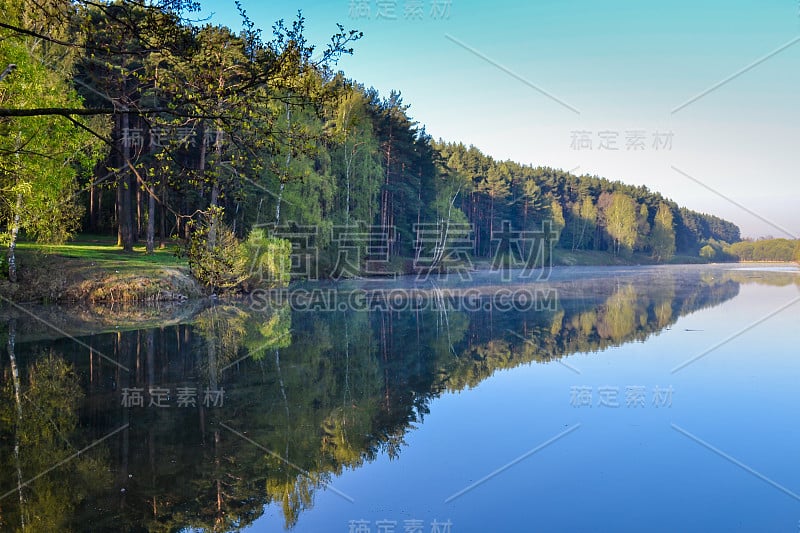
pixel 306 396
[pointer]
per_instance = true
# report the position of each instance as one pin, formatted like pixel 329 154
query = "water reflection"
pixel 242 409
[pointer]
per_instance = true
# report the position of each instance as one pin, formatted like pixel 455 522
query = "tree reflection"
pixel 307 396
pixel 39 420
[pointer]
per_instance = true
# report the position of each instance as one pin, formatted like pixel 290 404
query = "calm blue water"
pixel 657 399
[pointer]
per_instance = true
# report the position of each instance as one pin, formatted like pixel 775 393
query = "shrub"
pixel 269 260
pixel 222 266
pixel 708 253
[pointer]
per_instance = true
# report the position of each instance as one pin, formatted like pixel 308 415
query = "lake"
pixel 587 399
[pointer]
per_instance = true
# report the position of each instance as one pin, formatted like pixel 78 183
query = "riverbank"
pixel 602 258
pixel 94 270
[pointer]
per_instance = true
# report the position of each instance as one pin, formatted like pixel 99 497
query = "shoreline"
pixel 57 279
pixel 78 319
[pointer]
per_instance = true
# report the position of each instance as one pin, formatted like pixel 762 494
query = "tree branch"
pixel 68 112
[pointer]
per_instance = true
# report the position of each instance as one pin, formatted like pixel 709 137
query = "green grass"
pixel 93 268
pixel 597 258
pixel 104 253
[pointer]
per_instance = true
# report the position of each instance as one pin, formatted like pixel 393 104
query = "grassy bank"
pixel 94 269
pixel 597 258
pixel 600 258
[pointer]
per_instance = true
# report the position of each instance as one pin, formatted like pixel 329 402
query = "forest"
pixel 132 118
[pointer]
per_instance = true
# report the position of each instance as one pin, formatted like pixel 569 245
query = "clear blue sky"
pixel 520 79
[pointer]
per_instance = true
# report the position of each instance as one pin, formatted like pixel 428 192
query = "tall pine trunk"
pixel 151 221
pixel 124 200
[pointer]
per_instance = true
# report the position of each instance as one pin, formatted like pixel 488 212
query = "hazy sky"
pixel 701 99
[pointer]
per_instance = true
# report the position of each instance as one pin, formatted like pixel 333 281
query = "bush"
pixel 258 262
pixel 708 253
pixel 764 250
pixel 269 260
pixel 221 267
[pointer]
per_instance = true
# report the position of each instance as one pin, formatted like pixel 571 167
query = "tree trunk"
pixel 12 245
pixel 12 334
pixel 98 217
pixel 151 222
pixel 386 196
pixel 278 204
pixel 212 233
pixel 212 230
pixel 163 220
pixel 118 210
pixel 288 161
pixel 92 208
pixel 124 200
pixel 139 202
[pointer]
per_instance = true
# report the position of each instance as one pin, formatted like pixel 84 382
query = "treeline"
pixel 128 117
pixel 587 212
pixel 783 250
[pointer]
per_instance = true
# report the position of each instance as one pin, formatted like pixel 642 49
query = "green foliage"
pixel 708 252
pixel 40 157
pixel 764 250
pixel 642 227
pixel 584 223
pixel 693 228
pixel 557 218
pixel 227 264
pixel 45 424
pixel 662 237
pixel 269 259
pixel 221 265
pixel 268 134
pixel 355 160
pixel 621 223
